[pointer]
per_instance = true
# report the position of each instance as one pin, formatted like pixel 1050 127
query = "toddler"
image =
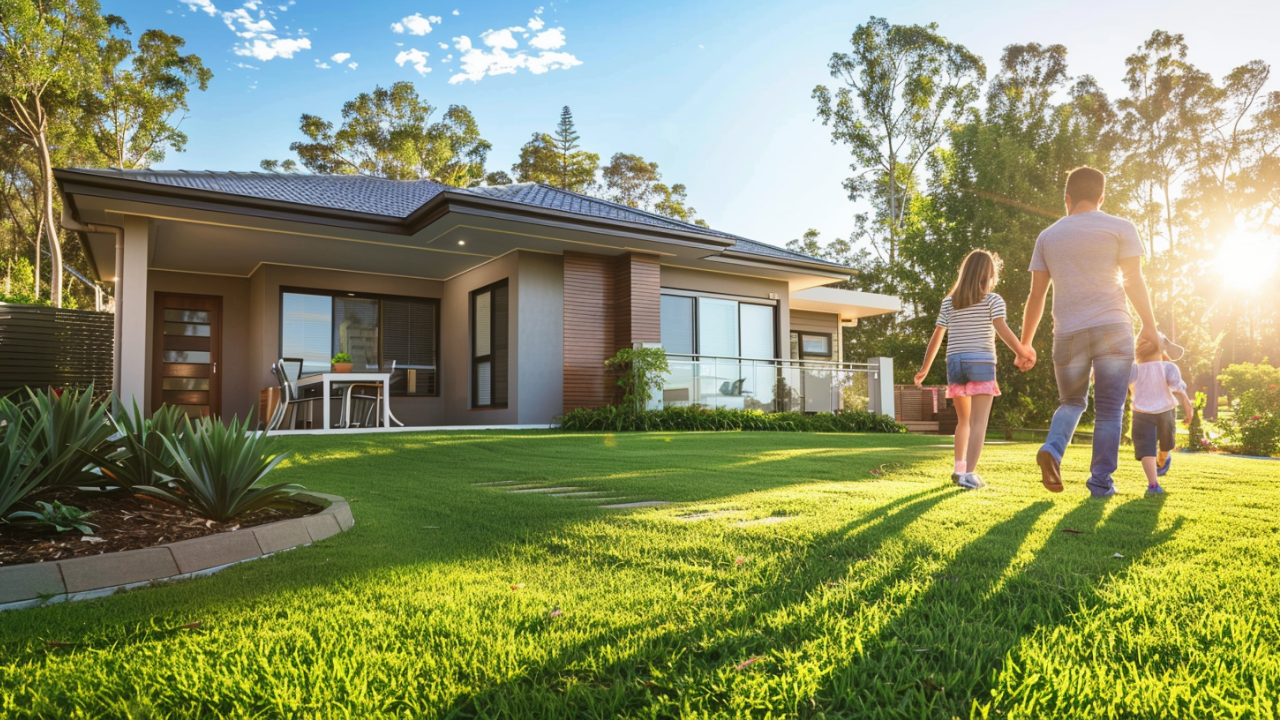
pixel 1154 382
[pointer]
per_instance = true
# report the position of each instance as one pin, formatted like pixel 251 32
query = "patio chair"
pixel 365 399
pixel 289 403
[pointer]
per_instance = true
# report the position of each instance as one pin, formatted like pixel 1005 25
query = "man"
pixel 1093 260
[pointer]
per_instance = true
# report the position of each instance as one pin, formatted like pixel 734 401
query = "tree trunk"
pixel 51 227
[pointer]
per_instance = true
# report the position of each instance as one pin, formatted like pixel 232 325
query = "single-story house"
pixel 498 305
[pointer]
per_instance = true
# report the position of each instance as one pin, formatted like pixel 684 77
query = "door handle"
pixel 215 368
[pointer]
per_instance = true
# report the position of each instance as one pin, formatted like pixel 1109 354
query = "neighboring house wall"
pixel 816 322
pixel 610 303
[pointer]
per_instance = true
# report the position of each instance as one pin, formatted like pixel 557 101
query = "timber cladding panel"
pixel 609 304
pixel 53 347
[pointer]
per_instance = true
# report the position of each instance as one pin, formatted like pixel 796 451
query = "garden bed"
pixel 123 522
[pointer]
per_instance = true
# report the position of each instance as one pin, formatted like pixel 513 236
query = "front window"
pixel 489 346
pixel 374 331
pixel 723 351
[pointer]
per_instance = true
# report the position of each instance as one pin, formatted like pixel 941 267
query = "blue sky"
pixel 716 92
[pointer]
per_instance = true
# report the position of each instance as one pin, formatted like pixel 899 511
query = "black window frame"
pixel 831 345
pixel 741 300
pixel 380 297
pixel 476 360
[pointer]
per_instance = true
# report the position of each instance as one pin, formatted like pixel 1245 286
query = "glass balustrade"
pixel 768 385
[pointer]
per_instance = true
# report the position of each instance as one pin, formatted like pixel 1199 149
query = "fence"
pixel 53 347
pixel 776 385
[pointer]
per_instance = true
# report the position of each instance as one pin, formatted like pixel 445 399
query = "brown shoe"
pixel 1050 475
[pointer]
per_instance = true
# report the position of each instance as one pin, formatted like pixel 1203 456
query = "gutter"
pixel 70 223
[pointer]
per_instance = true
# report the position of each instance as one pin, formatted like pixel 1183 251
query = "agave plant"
pixel 217 469
pixel 137 453
pixel 62 427
pixel 20 473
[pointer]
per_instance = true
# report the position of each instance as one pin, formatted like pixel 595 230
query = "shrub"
pixel 640 375
pixel 1240 378
pixel 696 417
pixel 1254 425
pixel 137 453
pixel 1197 439
pixel 218 466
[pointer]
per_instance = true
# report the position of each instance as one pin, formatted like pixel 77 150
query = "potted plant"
pixel 341 363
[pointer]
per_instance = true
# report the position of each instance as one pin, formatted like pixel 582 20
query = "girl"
pixel 974 315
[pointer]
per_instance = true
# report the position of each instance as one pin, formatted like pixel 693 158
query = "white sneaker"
pixel 971 481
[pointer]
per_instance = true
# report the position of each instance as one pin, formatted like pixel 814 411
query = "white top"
pixel 970 329
pixel 1153 385
pixel 1082 255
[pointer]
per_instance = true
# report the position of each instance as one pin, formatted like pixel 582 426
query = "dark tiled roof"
pixel 400 198
pixel 355 193
pixel 566 201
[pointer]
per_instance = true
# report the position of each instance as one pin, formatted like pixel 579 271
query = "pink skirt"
pixel 989 387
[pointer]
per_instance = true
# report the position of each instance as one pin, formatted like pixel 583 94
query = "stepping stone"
pixel 705 515
pixel 542 489
pixel 641 504
pixel 577 494
pixel 772 520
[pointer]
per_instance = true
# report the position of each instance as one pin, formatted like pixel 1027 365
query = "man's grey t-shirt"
pixel 1082 255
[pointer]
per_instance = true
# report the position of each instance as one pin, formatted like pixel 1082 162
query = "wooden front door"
pixel 188 351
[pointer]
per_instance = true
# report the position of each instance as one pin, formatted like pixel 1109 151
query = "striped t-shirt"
pixel 970 330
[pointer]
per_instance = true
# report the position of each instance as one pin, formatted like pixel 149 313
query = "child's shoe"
pixel 1164 469
pixel 1155 490
pixel 971 481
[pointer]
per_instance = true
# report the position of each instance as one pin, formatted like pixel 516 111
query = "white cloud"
pixel 443 46
pixel 340 57
pixel 276 47
pixel 455 12
pixel 548 39
pixel 322 65
pixel 415 57
pixel 500 52
pixel 260 37
pixel 415 24
pixel 353 66
pixel 201 5
pixel 246 67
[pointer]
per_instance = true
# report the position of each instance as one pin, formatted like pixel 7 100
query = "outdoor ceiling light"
pixel 462 242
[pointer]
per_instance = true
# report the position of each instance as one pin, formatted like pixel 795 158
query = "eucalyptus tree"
pixel 900 88
pixel 48 61
pixel 390 133
pixel 142 100
pixel 630 179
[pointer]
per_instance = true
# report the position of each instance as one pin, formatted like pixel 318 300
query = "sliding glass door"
pixel 733 343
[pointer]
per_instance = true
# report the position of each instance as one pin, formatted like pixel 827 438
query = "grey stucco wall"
pixel 455 344
pixel 540 326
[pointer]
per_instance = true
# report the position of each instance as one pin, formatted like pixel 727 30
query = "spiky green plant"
pixel 137 453
pixel 218 466
pixel 20 473
pixel 62 427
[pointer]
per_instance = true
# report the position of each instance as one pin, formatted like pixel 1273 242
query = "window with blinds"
pixel 374 331
pixel 489 361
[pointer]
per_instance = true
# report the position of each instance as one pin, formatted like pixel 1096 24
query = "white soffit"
pixel 848 304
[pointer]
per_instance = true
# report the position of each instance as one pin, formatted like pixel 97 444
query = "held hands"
pixel 1026 358
pixel 920 377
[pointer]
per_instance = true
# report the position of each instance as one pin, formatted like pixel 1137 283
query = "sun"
pixel 1246 260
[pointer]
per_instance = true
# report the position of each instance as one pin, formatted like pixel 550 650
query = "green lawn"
pixel 888 593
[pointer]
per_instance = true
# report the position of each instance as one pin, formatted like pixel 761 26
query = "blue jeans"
pixel 1107 351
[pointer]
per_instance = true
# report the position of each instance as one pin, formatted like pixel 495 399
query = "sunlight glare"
pixel 1246 260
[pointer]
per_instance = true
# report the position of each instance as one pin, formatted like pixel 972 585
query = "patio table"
pixel 328 380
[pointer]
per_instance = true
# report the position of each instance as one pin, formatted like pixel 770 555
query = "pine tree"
pixel 556 160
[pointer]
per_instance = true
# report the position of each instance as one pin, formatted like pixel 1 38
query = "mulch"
pixel 122 522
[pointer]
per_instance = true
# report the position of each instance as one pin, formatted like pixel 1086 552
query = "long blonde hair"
pixel 979 274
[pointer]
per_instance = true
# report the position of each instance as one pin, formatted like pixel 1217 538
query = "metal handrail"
pixel 807 363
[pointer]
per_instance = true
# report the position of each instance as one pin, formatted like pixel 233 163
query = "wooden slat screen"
pixel 53 347
pixel 609 304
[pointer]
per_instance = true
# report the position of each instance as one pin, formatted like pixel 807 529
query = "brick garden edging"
pixel 82 578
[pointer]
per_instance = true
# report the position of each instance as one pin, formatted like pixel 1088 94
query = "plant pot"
pixel 342 367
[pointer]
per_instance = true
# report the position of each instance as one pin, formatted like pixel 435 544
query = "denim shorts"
pixel 970 367
pixel 1154 431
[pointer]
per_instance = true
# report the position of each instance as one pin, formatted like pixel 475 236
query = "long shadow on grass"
pixel 629 678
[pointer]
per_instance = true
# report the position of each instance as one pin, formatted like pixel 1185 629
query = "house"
pixel 499 305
